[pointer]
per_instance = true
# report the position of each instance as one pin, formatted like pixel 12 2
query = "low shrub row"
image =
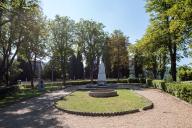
pixel 117 81
pixel 149 82
pixel 180 90
pixel 82 82
pixel 136 80
pixel 4 90
pixel 160 84
pixel 79 82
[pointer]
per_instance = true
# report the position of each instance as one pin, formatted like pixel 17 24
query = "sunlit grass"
pixel 82 102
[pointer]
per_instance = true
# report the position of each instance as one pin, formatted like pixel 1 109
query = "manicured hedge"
pixel 136 80
pixel 79 82
pixel 142 80
pixel 82 82
pixel 160 84
pixel 116 81
pixel 180 90
pixel 149 82
pixel 8 89
pixel 133 80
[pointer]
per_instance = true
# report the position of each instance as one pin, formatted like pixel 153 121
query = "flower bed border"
pixel 104 114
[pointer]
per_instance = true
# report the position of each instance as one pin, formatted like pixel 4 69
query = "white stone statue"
pixel 101 75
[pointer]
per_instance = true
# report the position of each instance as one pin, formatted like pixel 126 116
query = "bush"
pixel 169 78
pixel 122 81
pixel 4 90
pixel 133 80
pixel 142 80
pixel 149 82
pixel 160 84
pixel 180 90
pixel 79 82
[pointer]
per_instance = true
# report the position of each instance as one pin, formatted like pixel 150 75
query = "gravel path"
pixel 168 112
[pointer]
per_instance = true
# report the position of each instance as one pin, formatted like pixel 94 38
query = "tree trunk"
pixel 91 73
pixel 173 64
pixel 7 72
pixel 118 74
pixel 31 74
pixel 155 68
pixel 63 71
pixel 162 72
pixel 63 66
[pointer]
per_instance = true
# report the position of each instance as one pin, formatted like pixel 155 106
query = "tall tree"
pixel 62 39
pixel 91 36
pixel 153 52
pixel 33 48
pixel 11 31
pixel 173 21
pixel 119 56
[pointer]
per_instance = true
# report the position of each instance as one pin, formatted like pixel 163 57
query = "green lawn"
pixel 80 101
pixel 25 93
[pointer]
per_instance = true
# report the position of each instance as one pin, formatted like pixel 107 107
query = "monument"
pixel 101 74
pixel 102 89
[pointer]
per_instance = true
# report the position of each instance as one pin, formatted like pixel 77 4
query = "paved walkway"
pixel 39 112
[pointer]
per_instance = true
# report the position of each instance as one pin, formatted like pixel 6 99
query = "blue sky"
pixel 127 15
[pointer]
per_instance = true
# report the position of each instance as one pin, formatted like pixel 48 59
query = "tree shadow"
pixel 37 113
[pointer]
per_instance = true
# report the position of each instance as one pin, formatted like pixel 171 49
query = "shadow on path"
pixel 39 112
pixel 36 112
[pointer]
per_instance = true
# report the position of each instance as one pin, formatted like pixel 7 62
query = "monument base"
pixel 101 83
pixel 103 93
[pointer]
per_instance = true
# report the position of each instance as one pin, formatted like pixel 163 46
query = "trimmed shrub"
pixel 133 80
pixel 142 80
pixel 122 81
pixel 180 90
pixel 79 82
pixel 160 84
pixel 149 82
pixel 4 90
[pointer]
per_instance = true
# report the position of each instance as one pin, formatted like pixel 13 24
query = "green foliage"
pixel 185 73
pixel 133 80
pixel 168 78
pixel 117 81
pixel 90 41
pixel 142 80
pixel 16 19
pixel 149 82
pixel 15 93
pixel 170 28
pixel 116 55
pixel 180 90
pixel 135 52
pixel 160 84
pixel 136 80
pixel 61 41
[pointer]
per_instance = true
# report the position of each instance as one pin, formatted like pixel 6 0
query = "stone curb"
pixel 148 107
pixel 105 114
pixel 98 114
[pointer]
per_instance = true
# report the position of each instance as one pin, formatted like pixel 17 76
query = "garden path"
pixel 168 112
